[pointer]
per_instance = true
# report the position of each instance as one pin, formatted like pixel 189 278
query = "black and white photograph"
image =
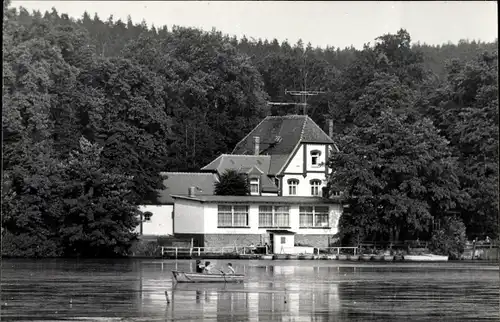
pixel 250 161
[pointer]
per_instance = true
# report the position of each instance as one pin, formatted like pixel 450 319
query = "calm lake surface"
pixel 134 290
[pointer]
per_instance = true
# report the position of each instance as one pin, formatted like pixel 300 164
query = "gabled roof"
pixel 279 135
pixel 178 183
pixel 238 162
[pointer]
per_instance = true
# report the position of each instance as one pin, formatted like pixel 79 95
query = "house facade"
pixel 282 222
pixel 285 160
pixel 157 220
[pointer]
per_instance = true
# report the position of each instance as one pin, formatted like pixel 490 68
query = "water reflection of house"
pixel 285 160
pixel 259 301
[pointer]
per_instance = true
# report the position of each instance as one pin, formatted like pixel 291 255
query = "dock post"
pixel 175 252
pixel 199 252
pixel 166 296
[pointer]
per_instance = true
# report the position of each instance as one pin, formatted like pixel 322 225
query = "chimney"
pixel 191 192
pixel 330 128
pixel 256 145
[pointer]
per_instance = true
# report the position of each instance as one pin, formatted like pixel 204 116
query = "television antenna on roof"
pixel 304 94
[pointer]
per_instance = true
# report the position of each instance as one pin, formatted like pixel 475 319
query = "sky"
pixel 322 23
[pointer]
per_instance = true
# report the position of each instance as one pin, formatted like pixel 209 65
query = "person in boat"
pixel 207 269
pixel 199 266
pixel 230 269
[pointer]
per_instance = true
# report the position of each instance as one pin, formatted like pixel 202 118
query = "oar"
pixel 223 274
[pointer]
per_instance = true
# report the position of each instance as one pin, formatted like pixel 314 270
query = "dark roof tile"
pixel 178 183
pixel 279 135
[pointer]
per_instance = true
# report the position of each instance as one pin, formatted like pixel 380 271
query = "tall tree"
pixel 98 217
pixel 122 109
pixel 395 168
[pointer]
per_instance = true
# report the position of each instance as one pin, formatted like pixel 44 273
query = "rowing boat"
pixel 183 277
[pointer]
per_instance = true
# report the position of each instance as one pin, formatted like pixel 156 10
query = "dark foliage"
pixel 232 183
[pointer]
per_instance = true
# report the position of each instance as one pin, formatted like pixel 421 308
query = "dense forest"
pixel 94 110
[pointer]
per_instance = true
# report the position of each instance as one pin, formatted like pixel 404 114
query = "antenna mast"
pixel 304 95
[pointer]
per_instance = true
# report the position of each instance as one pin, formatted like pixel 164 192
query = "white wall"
pixel 278 246
pixel 161 222
pixel 295 165
pixel 188 217
pixel 295 168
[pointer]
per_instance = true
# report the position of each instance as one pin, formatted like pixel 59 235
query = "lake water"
pixel 134 290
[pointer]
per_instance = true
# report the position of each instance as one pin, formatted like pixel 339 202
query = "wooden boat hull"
pixel 425 258
pixel 183 277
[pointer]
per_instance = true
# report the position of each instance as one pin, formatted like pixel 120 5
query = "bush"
pixel 450 239
pixel 145 248
pixel 26 245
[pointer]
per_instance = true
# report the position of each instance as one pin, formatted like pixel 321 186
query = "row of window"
pixel 272 216
pixel 292 186
pixel 315 187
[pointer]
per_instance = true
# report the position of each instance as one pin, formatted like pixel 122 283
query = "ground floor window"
pixel 274 216
pixel 232 216
pixel 314 216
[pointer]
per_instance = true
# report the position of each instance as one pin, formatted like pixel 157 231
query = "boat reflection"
pixel 260 301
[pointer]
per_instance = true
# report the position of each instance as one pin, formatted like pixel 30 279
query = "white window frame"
pixel 315 187
pixel 313 214
pixel 232 225
pixel 274 213
pixel 292 186
pixel 315 155
pixel 254 182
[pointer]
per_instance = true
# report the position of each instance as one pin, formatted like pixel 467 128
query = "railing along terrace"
pixel 336 250
pixel 200 251
pixel 196 251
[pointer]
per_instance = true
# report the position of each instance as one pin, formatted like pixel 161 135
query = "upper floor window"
pixel 254 186
pixel 232 216
pixel 315 184
pixel 315 154
pixel 292 186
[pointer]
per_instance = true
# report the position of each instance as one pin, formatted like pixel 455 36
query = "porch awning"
pixel 281 231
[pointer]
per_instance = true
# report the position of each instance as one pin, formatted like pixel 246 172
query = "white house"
pixel 285 160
